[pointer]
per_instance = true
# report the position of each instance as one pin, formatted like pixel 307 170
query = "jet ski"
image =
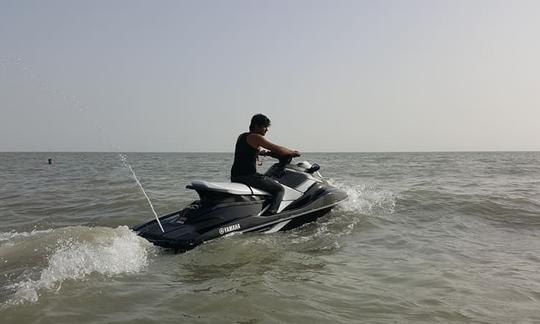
pixel 226 208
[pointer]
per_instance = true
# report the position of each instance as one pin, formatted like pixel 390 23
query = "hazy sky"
pixel 331 75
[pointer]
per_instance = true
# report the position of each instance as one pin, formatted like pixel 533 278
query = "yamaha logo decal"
pixel 227 229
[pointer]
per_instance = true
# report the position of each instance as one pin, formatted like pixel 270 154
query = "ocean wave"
pixel 77 253
pixel 495 207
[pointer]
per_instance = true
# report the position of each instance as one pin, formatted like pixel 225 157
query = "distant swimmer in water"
pixel 50 161
pixel 248 146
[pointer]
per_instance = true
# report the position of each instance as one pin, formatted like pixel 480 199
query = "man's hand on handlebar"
pixel 265 153
pixel 295 154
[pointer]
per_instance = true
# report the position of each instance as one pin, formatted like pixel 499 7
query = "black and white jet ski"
pixel 225 208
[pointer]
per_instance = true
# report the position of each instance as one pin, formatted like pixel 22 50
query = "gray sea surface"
pixel 423 238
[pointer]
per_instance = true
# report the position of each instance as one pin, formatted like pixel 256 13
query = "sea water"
pixel 423 238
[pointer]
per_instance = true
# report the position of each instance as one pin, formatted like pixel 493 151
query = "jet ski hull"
pixel 182 235
pixel 226 208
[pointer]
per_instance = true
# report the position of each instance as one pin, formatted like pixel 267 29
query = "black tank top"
pixel 245 157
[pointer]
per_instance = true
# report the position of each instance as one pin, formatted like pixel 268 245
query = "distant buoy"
pixel 50 161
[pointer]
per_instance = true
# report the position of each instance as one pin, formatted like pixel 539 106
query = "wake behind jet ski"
pixel 225 208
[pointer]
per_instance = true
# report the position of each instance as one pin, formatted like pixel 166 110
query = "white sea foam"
pixel 363 201
pixel 10 236
pixel 110 252
pixel 366 199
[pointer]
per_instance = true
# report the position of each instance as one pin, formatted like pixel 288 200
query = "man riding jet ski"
pixel 285 197
pixel 247 149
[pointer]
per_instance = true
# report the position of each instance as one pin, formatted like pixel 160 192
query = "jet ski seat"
pixel 232 188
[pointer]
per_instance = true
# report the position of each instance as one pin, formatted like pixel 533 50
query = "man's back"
pixel 245 157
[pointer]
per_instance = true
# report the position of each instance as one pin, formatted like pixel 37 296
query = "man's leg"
pixel 267 184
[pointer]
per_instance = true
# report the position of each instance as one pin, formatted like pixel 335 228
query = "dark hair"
pixel 259 120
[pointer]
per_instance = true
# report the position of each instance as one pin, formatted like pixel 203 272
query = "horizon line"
pixel 307 152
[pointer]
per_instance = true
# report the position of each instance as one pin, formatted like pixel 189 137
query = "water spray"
pixel 123 157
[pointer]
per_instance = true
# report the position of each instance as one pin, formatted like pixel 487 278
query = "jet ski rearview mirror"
pixel 314 168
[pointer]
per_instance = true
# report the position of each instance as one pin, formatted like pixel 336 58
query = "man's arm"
pixel 256 141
